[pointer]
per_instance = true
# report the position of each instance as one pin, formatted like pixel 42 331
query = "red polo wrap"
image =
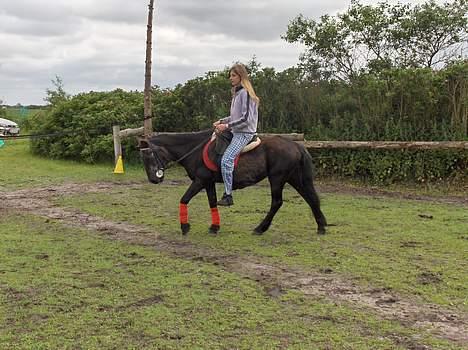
pixel 183 213
pixel 215 216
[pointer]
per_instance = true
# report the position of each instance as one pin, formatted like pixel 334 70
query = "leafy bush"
pixel 84 125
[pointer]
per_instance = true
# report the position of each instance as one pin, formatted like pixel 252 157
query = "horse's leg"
pixel 276 186
pixel 212 200
pixel 307 191
pixel 194 188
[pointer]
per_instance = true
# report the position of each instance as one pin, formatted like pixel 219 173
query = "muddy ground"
pixel 276 279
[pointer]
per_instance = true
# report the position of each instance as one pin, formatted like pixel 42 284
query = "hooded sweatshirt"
pixel 244 113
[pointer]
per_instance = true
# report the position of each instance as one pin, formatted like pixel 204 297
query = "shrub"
pixel 84 125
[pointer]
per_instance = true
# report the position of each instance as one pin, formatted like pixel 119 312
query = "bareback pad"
pixel 215 148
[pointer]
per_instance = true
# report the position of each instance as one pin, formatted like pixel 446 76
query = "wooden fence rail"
pixel 396 145
pixel 140 131
pixel 413 145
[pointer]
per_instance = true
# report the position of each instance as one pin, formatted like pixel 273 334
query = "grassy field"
pixel 382 243
pixel 65 287
pixel 20 169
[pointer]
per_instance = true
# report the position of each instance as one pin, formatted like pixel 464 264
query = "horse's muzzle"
pixel 155 177
pixel 153 170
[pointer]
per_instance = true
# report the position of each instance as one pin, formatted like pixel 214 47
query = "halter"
pixel 159 162
pixel 161 168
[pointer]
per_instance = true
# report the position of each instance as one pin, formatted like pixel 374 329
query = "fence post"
pixel 117 144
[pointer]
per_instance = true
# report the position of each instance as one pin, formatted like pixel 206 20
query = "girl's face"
pixel 234 78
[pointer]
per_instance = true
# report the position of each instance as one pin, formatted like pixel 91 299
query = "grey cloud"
pixel 243 19
pixel 99 45
pixel 43 10
pixel 38 28
pixel 122 11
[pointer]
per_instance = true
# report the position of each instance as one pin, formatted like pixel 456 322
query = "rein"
pixel 189 153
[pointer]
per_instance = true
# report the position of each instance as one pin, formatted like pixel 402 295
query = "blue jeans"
pixel 238 142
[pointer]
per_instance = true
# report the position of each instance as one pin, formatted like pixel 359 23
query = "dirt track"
pixel 445 323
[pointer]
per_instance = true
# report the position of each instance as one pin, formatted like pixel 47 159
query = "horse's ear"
pixel 143 142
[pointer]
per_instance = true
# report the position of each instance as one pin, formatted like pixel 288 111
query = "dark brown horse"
pixel 281 160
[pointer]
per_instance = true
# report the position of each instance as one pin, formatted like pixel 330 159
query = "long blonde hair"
pixel 241 71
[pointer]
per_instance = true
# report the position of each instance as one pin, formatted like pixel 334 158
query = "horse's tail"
pixel 307 165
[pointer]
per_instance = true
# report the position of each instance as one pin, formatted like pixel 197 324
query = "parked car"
pixel 7 127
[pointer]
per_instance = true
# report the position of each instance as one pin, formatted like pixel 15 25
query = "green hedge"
pixel 393 166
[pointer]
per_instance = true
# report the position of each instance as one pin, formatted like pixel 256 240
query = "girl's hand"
pixel 221 127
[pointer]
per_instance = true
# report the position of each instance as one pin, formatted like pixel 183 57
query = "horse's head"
pixel 154 158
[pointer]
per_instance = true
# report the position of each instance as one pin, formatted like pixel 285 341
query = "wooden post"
pixel 148 125
pixel 117 144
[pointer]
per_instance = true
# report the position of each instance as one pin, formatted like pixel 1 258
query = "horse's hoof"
pixel 185 228
pixel 213 229
pixel 321 231
pixel 258 232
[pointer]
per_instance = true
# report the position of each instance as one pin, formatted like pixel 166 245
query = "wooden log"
pixel 416 145
pixel 140 131
pixel 131 132
pixel 292 137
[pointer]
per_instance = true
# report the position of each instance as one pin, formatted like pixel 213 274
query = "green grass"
pixel 63 288
pixel 385 243
pixel 20 169
pixel 66 288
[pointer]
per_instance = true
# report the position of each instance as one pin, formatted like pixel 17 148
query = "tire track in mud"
pixel 445 323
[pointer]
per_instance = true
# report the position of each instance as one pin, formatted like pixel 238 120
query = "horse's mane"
pixel 172 139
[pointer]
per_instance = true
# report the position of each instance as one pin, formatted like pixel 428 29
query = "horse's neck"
pixel 180 145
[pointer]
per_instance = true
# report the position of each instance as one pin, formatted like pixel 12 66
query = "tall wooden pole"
pixel 148 125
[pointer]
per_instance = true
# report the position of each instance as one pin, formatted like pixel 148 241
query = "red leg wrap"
pixel 183 213
pixel 215 216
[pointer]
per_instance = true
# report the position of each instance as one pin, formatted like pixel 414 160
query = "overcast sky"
pixel 99 45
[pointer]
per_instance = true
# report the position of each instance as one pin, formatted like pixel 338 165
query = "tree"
pixel 434 33
pixel 457 94
pixel 373 38
pixel 57 95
